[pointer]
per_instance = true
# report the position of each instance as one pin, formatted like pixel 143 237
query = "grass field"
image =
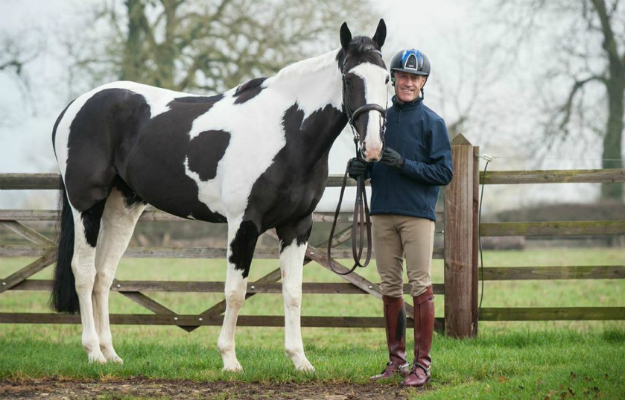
pixel 508 359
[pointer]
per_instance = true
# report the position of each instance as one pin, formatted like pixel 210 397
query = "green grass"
pixel 521 364
pixel 508 359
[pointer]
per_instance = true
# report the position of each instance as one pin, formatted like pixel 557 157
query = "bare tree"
pixel 17 50
pixel 582 73
pixel 203 45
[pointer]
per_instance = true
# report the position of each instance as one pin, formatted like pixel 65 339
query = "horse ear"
pixel 380 34
pixel 346 36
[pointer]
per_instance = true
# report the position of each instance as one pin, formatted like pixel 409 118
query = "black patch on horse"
pixel 91 222
pixel 298 232
pixel 248 90
pixel 242 247
pixel 100 136
pixel 130 197
pixel 289 190
pixel 359 51
pixel 340 59
pixel 199 99
pixel 205 152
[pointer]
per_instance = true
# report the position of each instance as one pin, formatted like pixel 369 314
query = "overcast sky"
pixel 443 30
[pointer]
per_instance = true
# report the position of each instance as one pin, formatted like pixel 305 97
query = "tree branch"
pixel 567 106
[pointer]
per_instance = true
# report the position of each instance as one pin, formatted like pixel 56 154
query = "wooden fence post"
pixel 460 266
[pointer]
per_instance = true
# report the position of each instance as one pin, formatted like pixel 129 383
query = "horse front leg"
pixel 293 244
pixel 242 238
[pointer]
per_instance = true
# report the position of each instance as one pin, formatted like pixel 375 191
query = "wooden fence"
pixel 460 254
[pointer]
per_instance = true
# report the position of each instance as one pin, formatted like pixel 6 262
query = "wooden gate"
pixel 460 254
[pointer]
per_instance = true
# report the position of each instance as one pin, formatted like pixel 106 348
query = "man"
pixel 405 185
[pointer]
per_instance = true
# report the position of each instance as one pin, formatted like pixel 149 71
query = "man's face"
pixel 408 86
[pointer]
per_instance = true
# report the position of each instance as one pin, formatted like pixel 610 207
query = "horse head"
pixel 365 81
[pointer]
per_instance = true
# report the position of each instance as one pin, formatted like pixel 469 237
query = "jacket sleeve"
pixel 439 170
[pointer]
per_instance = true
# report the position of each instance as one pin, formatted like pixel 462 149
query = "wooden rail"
pixel 19 181
pixel 553 176
pixel 557 272
pixel 216 287
pixel 553 314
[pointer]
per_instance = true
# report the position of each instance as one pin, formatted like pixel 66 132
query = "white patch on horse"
pixel 319 77
pixel 375 93
pixel 235 290
pixel 291 265
pixel 118 223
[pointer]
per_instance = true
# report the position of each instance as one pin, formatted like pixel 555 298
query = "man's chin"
pixel 406 98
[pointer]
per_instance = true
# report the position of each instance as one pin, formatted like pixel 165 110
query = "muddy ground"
pixel 140 388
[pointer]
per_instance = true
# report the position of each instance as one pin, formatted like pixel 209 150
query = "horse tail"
pixel 64 296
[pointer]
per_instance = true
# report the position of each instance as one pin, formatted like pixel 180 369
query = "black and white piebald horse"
pixel 255 157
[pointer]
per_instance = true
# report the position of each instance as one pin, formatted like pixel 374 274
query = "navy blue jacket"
pixel 420 136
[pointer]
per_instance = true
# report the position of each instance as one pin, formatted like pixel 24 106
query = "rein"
pixel 361 220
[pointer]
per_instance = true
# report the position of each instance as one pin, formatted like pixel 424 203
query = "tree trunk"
pixel 132 63
pixel 166 52
pixel 615 85
pixel 612 142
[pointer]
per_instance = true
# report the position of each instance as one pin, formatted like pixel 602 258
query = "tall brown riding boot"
pixel 423 332
pixel 395 319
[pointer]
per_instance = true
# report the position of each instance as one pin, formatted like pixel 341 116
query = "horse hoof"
pixel 306 367
pixel 97 358
pixel 116 359
pixel 232 368
pixel 111 356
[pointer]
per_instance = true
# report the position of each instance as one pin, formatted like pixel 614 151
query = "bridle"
pixel 361 207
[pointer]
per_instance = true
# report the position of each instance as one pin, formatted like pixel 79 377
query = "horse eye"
pixel 387 79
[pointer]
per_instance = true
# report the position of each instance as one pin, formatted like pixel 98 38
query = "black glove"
pixel 392 158
pixel 356 167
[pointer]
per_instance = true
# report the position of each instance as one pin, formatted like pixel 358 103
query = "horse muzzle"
pixel 371 150
pixel 372 154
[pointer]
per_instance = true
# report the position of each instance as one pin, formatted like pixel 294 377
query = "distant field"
pixel 540 356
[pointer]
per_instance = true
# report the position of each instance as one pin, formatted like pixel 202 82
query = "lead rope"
pixel 360 217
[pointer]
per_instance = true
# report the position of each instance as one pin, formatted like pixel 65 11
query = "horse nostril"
pixel 372 155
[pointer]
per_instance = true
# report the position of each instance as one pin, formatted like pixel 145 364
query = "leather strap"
pixel 360 219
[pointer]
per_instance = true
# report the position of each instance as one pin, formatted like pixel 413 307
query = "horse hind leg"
pixel 118 223
pixel 87 227
pixel 242 238
pixel 293 244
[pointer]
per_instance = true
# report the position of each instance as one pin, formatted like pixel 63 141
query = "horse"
pixel 254 157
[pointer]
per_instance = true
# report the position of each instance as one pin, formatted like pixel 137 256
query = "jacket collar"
pixel 407 106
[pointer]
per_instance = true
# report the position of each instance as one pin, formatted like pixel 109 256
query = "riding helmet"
pixel 412 61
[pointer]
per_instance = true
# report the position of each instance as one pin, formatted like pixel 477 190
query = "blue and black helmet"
pixel 411 61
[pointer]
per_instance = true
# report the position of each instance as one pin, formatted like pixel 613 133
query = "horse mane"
pixel 308 66
pixel 360 46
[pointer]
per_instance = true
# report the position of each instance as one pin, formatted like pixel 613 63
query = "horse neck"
pixel 315 85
